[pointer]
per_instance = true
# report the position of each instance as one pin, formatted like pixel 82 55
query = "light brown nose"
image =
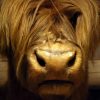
pixel 56 60
pixel 57 57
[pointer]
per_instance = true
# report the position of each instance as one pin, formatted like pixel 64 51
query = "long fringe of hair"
pixel 23 23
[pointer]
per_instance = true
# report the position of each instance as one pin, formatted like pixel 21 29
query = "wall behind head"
pixel 94 69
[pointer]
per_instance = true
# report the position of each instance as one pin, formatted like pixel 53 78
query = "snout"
pixel 55 68
pixel 55 60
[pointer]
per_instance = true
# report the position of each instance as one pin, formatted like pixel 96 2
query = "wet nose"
pixel 56 59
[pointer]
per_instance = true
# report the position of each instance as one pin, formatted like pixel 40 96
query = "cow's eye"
pixel 73 19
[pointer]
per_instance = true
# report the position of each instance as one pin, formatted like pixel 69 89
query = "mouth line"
pixel 56 82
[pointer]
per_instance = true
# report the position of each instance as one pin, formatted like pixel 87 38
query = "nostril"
pixel 72 60
pixel 40 60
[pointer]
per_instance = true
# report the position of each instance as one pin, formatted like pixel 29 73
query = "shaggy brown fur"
pixel 24 24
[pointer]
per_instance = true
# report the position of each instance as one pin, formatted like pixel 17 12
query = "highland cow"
pixel 48 44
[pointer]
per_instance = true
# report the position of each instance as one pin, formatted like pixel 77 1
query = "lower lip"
pixel 64 89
